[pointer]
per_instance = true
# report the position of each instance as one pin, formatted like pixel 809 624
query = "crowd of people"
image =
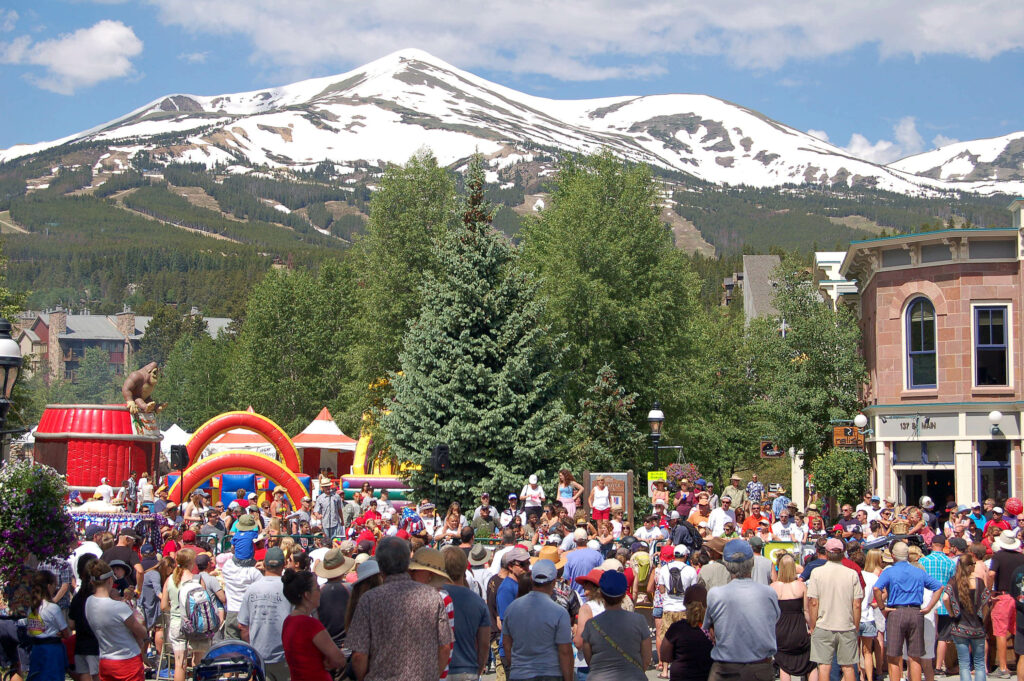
pixel 563 588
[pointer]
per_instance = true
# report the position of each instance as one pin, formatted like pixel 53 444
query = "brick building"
pixel 939 313
pixel 56 341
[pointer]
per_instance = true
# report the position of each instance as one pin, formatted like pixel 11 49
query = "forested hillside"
pixel 153 233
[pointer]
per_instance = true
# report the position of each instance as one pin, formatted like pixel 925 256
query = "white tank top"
pixel 601 499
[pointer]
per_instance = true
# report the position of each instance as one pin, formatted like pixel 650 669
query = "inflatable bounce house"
pixel 89 442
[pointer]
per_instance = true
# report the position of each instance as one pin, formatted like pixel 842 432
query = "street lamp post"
pixel 655 417
pixel 10 366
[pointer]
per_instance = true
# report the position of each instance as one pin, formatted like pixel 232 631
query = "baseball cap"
pixel 515 555
pixel 92 530
pixel 580 534
pixel 997 509
pixel 675 515
pixel 274 557
pixel 833 544
pixel 594 545
pixel 544 571
pixel 975 505
pixel 533 479
pixel 737 551
pixel 146 549
pixel 188 535
pixel 680 551
pixel 876 498
pixel 513 496
pixel 666 553
pixel 756 543
pixel 251 495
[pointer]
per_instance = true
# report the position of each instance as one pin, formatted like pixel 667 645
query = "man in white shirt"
pixel 674 579
pixel 485 500
pixel 105 491
pixel 511 512
pixel 875 510
pixel 785 529
pixel 864 505
pixel 720 516
pixel 650 531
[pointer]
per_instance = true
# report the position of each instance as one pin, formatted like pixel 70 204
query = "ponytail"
pixel 184 560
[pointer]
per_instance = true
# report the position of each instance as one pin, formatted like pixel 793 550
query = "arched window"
pixel 921 357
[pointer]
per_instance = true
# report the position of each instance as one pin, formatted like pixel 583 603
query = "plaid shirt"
pixel 941 567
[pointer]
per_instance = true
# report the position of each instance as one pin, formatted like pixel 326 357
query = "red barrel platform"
pixel 87 442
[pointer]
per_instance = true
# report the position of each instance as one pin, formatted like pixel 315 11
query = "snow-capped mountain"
pixel 390 108
pixel 995 158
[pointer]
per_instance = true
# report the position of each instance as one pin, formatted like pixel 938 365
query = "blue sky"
pixel 884 79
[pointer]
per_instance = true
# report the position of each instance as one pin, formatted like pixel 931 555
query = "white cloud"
pixel 820 134
pixel 8 19
pixel 942 140
pixel 906 142
pixel 76 60
pixel 194 57
pixel 599 39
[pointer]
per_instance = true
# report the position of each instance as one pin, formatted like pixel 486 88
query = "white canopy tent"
pixel 174 435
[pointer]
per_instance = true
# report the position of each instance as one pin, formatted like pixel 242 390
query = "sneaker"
pixel 1000 674
pixel 165 673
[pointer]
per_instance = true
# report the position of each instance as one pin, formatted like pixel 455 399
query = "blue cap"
pixel 701 481
pixel 612 583
pixel 962 507
pixel 876 498
pixel 737 551
pixel 544 571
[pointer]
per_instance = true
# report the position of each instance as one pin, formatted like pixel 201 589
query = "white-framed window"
pixel 991 344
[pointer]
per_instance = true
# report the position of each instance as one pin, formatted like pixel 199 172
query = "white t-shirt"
pixel 784 532
pixel 49 623
pixel 645 535
pixel 236 580
pixel 688 576
pixel 507 516
pixel 863 507
pixel 718 518
pixel 532 496
pixel 145 490
pixel 107 620
pixel 602 499
pixel 106 492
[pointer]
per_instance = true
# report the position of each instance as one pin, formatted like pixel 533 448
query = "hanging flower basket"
pixel 33 516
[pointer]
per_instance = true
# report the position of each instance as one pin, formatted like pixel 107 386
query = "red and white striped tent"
pixel 323 445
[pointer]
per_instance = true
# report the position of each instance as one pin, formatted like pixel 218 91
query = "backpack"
pixel 199 614
pixel 675 582
pixel 642 566
pixel 686 534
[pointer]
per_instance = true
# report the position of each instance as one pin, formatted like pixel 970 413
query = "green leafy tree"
pixel 95 380
pixel 163 330
pixel 605 436
pixel 477 367
pixel 812 373
pixel 196 380
pixel 615 285
pixel 289 356
pixel 841 474
pixel 720 396
pixel 413 208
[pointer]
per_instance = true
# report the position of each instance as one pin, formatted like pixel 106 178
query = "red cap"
pixel 402 534
pixel 667 553
pixel 837 528
pixel 366 535
pixel 592 577
pixel 188 536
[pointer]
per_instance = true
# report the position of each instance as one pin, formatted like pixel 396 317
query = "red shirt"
pixel 305 661
pixel 628 573
pixel 243 503
pixel 170 547
pixel 1002 525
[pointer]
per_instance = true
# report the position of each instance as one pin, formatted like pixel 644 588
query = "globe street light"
pixel 655 417
pixel 994 417
pixel 10 364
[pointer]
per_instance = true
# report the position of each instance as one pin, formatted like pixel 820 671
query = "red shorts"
pixel 1004 616
pixel 606 514
pixel 122 670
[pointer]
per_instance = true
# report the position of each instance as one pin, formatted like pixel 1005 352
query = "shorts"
pixel 905 625
pixel 87 664
pixel 867 628
pixel 943 629
pixel 1018 643
pixel 603 514
pixel 929 641
pixel 842 644
pixel 1004 616
pixel 656 613
pixel 122 670
pixel 181 643
pixel 670 618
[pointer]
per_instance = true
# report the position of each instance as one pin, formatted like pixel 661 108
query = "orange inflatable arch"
pixel 246 420
pixel 239 460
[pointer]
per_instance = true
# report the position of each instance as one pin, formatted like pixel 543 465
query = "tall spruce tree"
pixel 476 367
pixel 605 437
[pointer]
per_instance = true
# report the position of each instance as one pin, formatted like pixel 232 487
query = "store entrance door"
pixel 940 485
